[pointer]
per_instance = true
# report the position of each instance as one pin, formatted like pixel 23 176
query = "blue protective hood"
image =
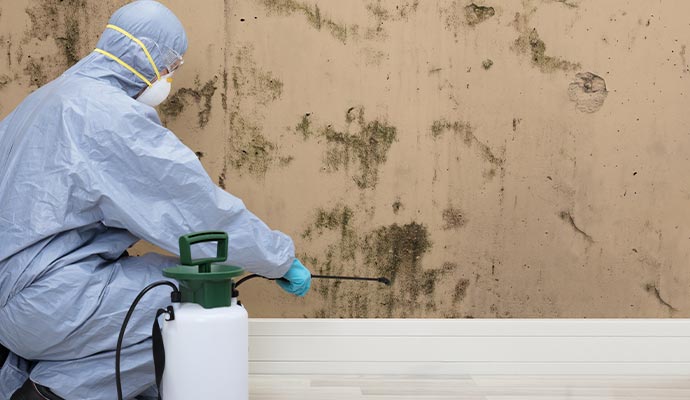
pixel 150 22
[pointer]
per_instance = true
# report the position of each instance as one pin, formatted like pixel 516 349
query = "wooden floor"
pixel 331 387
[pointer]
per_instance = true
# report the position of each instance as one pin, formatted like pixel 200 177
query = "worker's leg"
pixel 69 320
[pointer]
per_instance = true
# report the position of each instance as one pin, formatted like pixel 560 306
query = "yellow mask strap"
pixel 124 64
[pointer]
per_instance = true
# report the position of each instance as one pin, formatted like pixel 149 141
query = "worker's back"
pixel 45 182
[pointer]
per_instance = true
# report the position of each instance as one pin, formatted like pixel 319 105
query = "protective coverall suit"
pixel 85 172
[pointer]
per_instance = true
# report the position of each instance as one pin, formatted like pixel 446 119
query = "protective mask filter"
pixel 157 92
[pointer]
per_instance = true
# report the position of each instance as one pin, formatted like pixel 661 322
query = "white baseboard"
pixel 470 346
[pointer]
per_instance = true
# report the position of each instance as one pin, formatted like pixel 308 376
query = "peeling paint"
pixel 475 14
pixel 588 92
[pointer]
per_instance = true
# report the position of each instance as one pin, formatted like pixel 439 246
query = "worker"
pixel 87 170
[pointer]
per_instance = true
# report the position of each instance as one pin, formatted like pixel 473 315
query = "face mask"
pixel 157 92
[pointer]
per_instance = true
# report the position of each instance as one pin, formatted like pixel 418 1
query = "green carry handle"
pixel 204 264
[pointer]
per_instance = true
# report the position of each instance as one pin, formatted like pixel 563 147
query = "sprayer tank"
pixel 206 353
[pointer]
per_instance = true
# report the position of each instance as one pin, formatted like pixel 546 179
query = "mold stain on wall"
pixel 465 131
pixel 201 95
pixel 459 14
pixel 453 218
pixel 312 14
pixel 252 88
pixel 530 43
pixel 394 251
pixel 363 143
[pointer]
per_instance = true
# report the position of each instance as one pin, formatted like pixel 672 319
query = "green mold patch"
pixel 200 94
pixel 338 219
pixel 4 81
pixel 364 144
pixel 475 14
pixel 36 74
pixel 222 177
pixel 397 205
pixel 61 20
pixel 312 13
pixel 304 126
pixel 395 251
pixel 530 43
pixel 252 88
pixel 460 290
pixel 465 131
pixel 459 15
pixel 453 218
pixel 250 151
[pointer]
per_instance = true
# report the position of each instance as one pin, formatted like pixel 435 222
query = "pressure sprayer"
pixel 203 349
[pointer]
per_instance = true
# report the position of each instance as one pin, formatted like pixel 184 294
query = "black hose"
pixel 118 350
pixel 383 280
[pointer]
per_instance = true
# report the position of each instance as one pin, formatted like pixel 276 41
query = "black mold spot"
pixel 567 217
pixel 60 20
pixel 4 80
pixel 304 125
pixel 488 63
pixel 396 251
pixel 368 147
pixel 250 150
pixel 453 218
pixel 200 94
pixel 588 91
pixel 653 289
pixel 199 154
pixel 336 219
pixel 396 206
pixel 36 74
pixel 460 290
pixel 224 95
pixel 285 161
pixel 221 177
pixel 312 14
pixel 529 42
pixel 516 122
pixel 475 14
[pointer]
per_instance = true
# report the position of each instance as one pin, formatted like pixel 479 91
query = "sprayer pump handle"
pixel 187 241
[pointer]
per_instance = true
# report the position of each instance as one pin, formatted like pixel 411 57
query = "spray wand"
pixel 381 279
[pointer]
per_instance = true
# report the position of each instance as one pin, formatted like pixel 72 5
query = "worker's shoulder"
pixel 104 107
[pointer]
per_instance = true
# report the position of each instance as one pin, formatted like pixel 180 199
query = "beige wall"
pixel 528 160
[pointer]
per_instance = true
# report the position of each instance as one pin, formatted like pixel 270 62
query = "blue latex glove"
pixel 297 280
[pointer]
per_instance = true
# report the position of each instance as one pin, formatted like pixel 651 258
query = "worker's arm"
pixel 145 180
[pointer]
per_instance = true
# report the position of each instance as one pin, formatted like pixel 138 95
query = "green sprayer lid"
pixel 202 281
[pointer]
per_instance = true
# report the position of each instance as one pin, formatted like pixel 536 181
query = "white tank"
pixel 206 353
